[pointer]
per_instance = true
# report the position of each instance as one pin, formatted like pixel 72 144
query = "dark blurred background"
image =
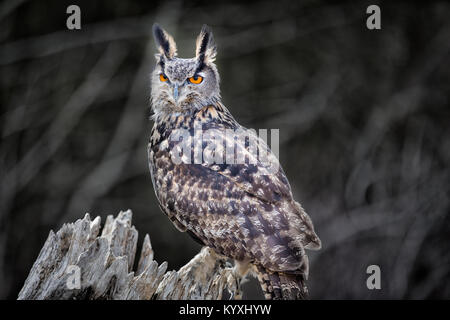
pixel 363 117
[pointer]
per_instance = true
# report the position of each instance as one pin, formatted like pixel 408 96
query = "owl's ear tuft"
pixel 164 42
pixel 206 49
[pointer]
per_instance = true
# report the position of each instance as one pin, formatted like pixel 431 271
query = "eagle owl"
pixel 242 210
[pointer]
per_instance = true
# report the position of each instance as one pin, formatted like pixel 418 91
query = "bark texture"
pixel 104 262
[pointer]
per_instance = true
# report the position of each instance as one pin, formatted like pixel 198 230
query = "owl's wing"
pixel 261 176
pixel 243 211
pixel 255 169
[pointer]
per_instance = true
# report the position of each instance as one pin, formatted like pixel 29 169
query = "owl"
pixel 243 210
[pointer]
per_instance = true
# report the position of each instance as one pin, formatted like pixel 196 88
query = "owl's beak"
pixel 175 92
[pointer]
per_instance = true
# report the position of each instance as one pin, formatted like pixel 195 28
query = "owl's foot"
pixel 234 281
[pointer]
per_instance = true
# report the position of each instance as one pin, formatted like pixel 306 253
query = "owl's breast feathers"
pixel 243 211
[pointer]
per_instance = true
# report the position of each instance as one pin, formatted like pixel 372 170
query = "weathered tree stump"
pixel 105 267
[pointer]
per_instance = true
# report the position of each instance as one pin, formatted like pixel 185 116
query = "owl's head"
pixel 178 84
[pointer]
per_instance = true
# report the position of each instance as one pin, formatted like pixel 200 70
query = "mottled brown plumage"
pixel 243 211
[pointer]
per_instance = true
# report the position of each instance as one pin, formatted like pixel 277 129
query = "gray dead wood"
pixel 106 262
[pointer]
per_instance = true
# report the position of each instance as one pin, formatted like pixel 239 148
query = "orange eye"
pixel 163 78
pixel 196 79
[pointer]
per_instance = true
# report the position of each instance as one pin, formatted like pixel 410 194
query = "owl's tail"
pixel 282 286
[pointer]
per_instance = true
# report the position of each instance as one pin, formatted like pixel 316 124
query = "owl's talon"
pixel 234 282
